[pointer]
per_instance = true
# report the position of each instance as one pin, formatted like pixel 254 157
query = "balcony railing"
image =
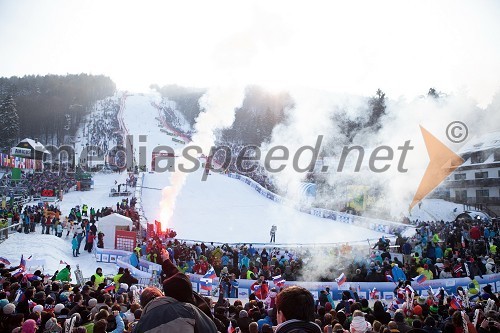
pixel 477 200
pixel 467 183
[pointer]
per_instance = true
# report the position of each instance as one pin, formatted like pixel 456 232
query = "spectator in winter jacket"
pixel 358 323
pixel 175 312
pixel 128 278
pixel 64 274
pixel 74 246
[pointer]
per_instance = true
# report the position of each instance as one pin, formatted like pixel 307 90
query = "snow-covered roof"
pixel 36 145
pixel 483 142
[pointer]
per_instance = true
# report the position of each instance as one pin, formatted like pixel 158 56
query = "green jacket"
pixel 64 275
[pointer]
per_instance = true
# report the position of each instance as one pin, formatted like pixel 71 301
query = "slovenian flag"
pixel 19 273
pixel 278 280
pixel 409 289
pixel 455 303
pixel 421 278
pixel 4 261
pixel 341 279
pixel 110 287
pixel 256 287
pixel 206 284
pixel 210 274
pixel 33 277
pixel 374 293
pixel 22 264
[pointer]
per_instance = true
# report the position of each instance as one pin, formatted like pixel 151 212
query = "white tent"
pixel 109 224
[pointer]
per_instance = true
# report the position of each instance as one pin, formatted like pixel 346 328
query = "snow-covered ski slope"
pixel 436 210
pixel 52 250
pixel 139 117
pixel 221 209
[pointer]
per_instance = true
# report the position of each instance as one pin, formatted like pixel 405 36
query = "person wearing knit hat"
pixel 149 294
pixel 92 302
pixel 29 326
pixel 58 308
pixel 38 308
pixel 417 310
pixel 3 302
pixel 179 287
pixel 51 326
pixel 167 313
pixel 9 309
pixel 243 321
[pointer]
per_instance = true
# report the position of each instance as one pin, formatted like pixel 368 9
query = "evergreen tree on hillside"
pixel 9 124
pixel 377 110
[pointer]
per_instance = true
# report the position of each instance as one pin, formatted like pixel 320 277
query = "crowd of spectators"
pixel 103 127
pixel 34 303
pixel 33 183
pixel 438 250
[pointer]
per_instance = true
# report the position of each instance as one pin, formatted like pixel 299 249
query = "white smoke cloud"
pixel 218 106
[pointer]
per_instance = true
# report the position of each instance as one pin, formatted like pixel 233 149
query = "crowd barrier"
pixel 148 274
pixel 168 129
pixel 368 290
pixel 122 259
pixel 379 225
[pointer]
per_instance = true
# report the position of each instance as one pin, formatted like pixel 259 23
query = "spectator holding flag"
pixel 4 270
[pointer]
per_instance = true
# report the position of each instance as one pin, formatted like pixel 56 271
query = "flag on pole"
pixel 22 264
pixel 18 273
pixel 4 261
pixel 278 280
pixel 394 306
pixel 62 262
pixel 410 289
pixel 210 274
pixel 341 279
pixel 421 278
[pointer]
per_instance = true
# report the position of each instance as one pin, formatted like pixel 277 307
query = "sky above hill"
pixel 403 47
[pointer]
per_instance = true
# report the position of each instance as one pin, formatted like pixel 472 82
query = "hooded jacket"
pixel 166 314
pixel 359 325
pixel 298 326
